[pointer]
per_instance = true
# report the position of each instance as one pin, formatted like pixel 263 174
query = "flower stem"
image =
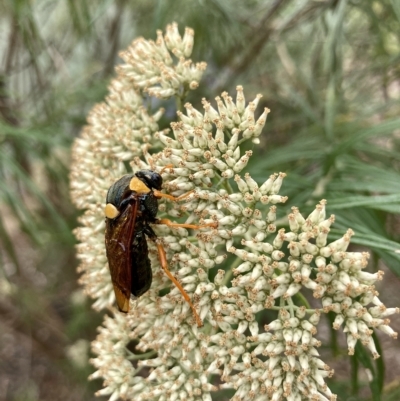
pixel 135 357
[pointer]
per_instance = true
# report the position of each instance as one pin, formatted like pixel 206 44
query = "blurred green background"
pixel 329 70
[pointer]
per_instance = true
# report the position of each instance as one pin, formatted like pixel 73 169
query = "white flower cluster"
pixel 150 66
pixel 176 359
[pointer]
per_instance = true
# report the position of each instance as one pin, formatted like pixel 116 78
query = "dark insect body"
pixel 131 206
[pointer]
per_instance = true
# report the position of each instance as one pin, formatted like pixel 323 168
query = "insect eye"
pixel 150 178
pixel 156 180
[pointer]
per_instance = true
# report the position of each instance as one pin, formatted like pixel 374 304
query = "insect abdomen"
pixel 141 274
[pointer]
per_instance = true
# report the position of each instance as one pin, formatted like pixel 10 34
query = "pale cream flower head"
pixel 173 358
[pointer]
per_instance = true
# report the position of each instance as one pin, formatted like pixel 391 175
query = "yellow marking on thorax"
pixel 138 186
pixel 111 211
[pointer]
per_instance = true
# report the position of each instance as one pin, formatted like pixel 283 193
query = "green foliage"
pixel 328 70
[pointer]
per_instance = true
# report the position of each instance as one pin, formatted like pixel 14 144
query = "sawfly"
pixel 131 208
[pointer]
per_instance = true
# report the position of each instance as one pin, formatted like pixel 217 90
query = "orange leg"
pixel 170 166
pixel 159 194
pixel 170 223
pixel 164 265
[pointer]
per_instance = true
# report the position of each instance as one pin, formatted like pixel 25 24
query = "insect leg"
pixel 164 264
pixel 159 194
pixel 170 166
pixel 170 223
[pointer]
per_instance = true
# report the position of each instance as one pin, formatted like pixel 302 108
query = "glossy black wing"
pixel 119 236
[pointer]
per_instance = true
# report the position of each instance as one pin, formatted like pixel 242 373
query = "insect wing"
pixel 119 235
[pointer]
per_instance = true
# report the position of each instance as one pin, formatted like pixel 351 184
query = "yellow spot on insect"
pixel 111 211
pixel 138 186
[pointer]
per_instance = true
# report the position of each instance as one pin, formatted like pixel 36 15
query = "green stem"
pixel 229 273
pixel 291 305
pixel 228 186
pixel 290 308
pixel 179 103
pixel 135 357
pixel 302 299
pixel 240 141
